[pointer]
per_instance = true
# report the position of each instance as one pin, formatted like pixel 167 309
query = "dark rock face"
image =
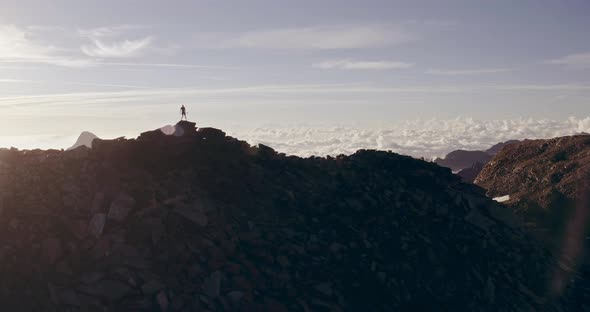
pixel 460 159
pixel 205 222
pixel 469 174
pixel 85 139
pixel 549 186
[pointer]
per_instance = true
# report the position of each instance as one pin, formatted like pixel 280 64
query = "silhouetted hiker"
pixel 183 112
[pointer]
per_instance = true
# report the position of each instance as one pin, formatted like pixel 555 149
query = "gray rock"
pixel 69 297
pixel 121 207
pixel 283 261
pixel 96 225
pixel 51 249
pixel 476 218
pixel 235 296
pixel 212 284
pixel 96 206
pixel 193 214
pixel 324 288
pixel 162 301
pixel 152 287
pixel 108 289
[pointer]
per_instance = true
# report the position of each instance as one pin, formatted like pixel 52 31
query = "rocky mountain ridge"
pixel 186 219
pixel 468 164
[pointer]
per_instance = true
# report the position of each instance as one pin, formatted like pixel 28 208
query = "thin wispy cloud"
pixel 311 38
pixel 165 94
pixel 461 72
pixel 120 49
pixel 15 43
pixel 17 46
pixel 361 65
pixel 109 31
pixel 18 67
pixel 169 65
pixel 577 61
pixel 14 81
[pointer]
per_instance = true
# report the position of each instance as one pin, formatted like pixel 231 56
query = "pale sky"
pixel 311 77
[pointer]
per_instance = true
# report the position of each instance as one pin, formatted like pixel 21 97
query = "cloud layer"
pixel 431 138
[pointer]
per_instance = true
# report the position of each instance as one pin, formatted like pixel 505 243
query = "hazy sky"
pixel 271 70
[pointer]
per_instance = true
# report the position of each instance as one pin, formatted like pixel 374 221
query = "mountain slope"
pixel 498 147
pixel 533 168
pixel 201 221
pixel 546 180
pixel 549 186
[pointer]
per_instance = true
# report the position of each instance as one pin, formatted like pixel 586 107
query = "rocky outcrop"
pixel 533 169
pixel 548 183
pixel 544 178
pixel 201 221
pixel 469 174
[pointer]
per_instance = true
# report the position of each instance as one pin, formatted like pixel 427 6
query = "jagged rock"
pixel 69 297
pixel 91 277
pixel 162 301
pixel 152 287
pixel 52 250
pixel 325 289
pixel 235 296
pixel 193 214
pixel 110 290
pixel 121 207
pixel 212 284
pixel 96 225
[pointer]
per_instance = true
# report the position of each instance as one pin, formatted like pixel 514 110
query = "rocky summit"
pixel 186 219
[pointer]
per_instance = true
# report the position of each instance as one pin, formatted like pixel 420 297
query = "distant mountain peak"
pixel 85 139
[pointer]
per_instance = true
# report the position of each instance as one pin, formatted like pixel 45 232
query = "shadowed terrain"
pixel 182 219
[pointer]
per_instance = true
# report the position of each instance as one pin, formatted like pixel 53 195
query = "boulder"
pixel 121 207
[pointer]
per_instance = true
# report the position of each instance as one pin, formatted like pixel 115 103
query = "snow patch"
pixel 502 199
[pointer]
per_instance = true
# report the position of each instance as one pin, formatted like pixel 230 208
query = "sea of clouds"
pixel 419 138
pixel 426 138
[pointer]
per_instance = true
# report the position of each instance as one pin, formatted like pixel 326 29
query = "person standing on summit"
pixel 183 112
